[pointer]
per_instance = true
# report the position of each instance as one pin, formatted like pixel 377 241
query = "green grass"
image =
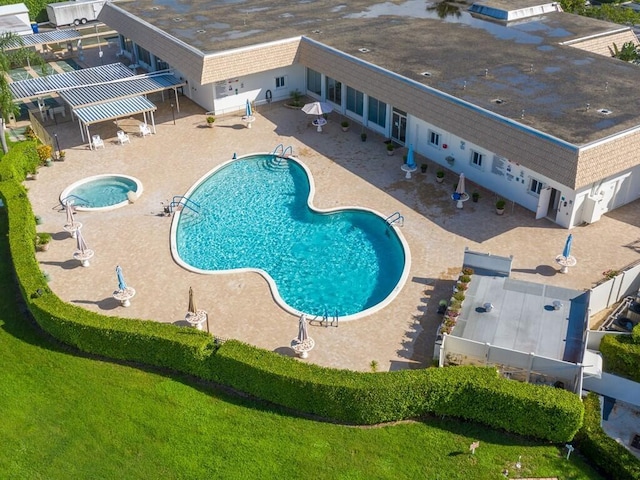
pixel 63 416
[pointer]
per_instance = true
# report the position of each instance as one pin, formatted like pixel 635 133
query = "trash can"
pixel 34 27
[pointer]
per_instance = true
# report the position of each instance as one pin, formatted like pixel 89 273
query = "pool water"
pixel 101 191
pixel 254 214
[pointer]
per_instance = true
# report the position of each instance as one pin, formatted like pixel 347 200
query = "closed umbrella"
pixel 460 188
pixel 81 245
pixel 69 211
pixel 411 163
pixel 566 253
pixel 317 108
pixel 192 303
pixel 303 335
pixel 248 110
pixel 121 283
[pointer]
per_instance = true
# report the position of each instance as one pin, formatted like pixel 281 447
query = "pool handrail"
pixel 185 202
pixel 64 201
pixel 395 217
pixel 280 147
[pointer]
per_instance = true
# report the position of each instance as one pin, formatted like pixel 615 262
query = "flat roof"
pixel 524 317
pixel 538 81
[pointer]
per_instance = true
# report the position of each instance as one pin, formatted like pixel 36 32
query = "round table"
pixel 459 198
pixel 302 348
pixel 83 257
pixel 408 169
pixel 72 228
pixel 319 123
pixel 566 262
pixel 196 319
pixel 248 120
pixel 124 296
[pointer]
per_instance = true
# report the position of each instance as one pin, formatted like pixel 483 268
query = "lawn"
pixel 68 416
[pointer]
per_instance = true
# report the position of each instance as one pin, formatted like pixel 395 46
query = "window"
pixel 144 56
pixel 355 101
pixel 127 45
pixel 434 139
pixel 334 91
pixel 377 112
pixel 535 186
pixel 477 159
pixel 281 82
pixel 314 81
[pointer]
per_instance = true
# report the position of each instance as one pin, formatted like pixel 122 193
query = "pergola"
pixel 37 39
pixel 101 93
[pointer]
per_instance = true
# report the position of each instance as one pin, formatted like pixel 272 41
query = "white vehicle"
pixel 76 13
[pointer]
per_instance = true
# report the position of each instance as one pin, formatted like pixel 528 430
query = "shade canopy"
pixel 317 108
pixel 121 283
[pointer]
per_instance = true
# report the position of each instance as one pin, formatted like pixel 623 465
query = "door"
pixel 399 126
pixel 543 203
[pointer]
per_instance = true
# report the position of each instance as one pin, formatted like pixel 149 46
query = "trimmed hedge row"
pixel 621 354
pixel 603 452
pixel 471 393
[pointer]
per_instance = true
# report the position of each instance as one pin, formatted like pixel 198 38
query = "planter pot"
pixel 475 198
pixel 210 125
pixel 390 153
pixel 48 162
pixel 363 138
pixel 345 129
pixel 423 168
pixel 439 179
pixel 43 247
pixel 499 211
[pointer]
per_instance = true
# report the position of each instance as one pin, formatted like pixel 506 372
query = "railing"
pixel 72 197
pixel 395 217
pixel 181 200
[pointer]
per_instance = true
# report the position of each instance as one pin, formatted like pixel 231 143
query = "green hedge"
pixel 602 451
pixel 471 393
pixel 621 354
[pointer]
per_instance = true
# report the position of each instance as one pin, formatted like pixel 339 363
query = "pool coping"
pixel 67 191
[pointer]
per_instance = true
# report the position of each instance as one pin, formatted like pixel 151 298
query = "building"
pixel 520 96
pixel 15 19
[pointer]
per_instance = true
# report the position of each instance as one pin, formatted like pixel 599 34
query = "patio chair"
pixel 144 130
pixel 123 137
pixel 97 142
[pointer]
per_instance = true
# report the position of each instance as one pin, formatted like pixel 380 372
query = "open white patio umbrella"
pixel 317 108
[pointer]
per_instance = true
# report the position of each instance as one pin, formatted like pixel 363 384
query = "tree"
pixel 628 52
pixel 11 57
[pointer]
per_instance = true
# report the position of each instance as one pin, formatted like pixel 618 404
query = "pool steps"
pixel 395 217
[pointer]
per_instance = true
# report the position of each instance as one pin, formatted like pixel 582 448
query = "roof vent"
pixel 316 31
pixel 498 101
pixel 364 50
pixel 426 74
pixel 201 31
pixel 177 19
pixel 604 111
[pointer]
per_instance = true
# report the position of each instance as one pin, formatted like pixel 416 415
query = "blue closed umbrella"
pixel 248 111
pixel 121 283
pixel 411 163
pixel 566 253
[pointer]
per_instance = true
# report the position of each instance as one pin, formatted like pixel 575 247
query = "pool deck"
pixel 347 172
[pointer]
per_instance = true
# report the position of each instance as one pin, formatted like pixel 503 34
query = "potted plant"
pixel 440 176
pixel 211 120
pixel 44 154
pixel 363 136
pixel 42 241
pixel 345 126
pixel 62 155
pixel 296 99
pixel 390 148
pixel 475 196
pixel 423 168
pixel 500 204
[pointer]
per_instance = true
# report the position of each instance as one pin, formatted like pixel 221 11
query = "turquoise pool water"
pixel 254 214
pixel 101 191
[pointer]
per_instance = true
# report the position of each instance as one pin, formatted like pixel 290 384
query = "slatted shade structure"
pixel 55 36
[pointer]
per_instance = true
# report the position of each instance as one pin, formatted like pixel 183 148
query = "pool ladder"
pixel 180 202
pixel 282 152
pixel 395 217
pixel 326 321
pixel 71 199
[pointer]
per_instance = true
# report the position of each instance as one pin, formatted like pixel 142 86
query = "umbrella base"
pixel 124 296
pixel 408 170
pixel 566 262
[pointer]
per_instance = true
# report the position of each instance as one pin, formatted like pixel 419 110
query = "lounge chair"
pixel 144 130
pixel 123 137
pixel 97 142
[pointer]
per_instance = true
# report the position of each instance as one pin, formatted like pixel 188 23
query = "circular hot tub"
pixel 102 192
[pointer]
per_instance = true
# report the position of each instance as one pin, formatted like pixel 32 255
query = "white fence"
pixel 626 283
pixel 512 364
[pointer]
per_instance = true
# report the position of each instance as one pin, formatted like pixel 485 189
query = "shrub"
pixel 500 204
pixel 467 271
pixel 621 354
pixel 464 278
pixel 44 152
pixel 459 296
pixel 602 451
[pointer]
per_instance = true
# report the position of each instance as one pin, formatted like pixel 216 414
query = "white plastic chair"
pixel 144 130
pixel 123 137
pixel 97 142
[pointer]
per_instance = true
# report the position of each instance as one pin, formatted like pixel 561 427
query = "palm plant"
pixel 11 56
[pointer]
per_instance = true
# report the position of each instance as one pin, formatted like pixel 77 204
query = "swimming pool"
pixel 102 192
pixel 254 213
